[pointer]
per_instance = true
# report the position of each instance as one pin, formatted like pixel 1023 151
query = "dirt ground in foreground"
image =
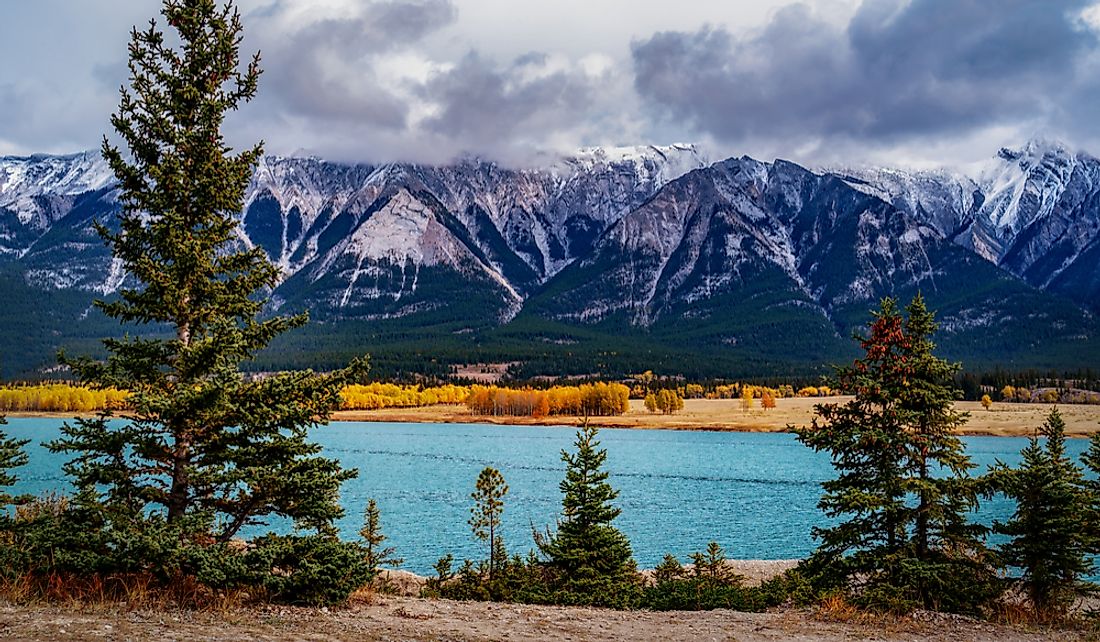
pixel 1002 419
pixel 405 618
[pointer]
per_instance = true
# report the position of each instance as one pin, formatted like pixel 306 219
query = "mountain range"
pixel 607 261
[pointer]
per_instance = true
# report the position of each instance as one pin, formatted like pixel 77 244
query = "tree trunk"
pixel 178 499
pixel 492 549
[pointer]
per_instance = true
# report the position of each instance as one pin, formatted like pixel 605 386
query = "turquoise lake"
pixel 754 493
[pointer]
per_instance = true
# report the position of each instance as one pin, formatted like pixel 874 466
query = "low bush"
pixel 56 548
pixel 310 570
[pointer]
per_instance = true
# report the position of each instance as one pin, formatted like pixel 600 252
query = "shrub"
pixel 310 570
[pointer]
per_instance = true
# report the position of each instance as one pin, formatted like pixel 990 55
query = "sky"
pixel 899 82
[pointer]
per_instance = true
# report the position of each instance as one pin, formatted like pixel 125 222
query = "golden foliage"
pixel 59 397
pixel 376 396
pixel 593 399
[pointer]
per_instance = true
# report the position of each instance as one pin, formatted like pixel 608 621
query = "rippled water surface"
pixel 754 493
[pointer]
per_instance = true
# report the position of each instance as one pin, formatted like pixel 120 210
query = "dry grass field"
pixel 1003 419
pixel 726 414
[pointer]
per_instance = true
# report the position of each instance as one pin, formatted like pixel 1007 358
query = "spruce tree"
pixel 902 489
pixel 202 443
pixel 485 514
pixel 1050 542
pixel 937 469
pixel 592 558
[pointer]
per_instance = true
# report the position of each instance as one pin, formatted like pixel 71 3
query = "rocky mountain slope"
pixel 1034 211
pixel 609 255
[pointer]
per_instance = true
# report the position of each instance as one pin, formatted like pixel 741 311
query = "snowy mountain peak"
pixel 25 179
pixel 1023 185
pixel 1035 150
pixel 669 161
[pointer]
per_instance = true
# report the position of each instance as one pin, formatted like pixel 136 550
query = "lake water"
pixel 754 493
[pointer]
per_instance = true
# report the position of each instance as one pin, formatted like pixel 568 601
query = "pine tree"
pixel 938 469
pixel 485 514
pixel 201 443
pixel 592 558
pixel 903 490
pixel 712 566
pixel 1051 540
pixel 375 554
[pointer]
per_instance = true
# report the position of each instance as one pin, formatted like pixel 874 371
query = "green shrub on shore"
pixel 311 570
pixel 708 584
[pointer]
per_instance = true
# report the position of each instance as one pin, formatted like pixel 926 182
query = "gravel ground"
pixel 405 618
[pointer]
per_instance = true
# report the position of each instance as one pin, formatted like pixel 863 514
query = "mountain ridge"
pixel 642 247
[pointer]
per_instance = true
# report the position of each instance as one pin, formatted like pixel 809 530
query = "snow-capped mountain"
pixel 37 191
pixel 743 252
pixel 641 243
pixel 353 239
pixel 1034 211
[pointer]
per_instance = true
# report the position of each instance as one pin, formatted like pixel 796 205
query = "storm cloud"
pixel 897 71
pixel 363 86
pixel 817 81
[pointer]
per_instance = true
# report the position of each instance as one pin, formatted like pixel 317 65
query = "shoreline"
pixel 755 572
pixel 718 415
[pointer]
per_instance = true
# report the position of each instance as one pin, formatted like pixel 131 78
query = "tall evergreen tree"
pixel 1050 536
pixel 201 441
pixel 938 469
pixel 903 490
pixel 590 555
pixel 485 514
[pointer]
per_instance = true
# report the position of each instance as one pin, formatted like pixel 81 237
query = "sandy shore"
pixel 1004 419
pixel 405 618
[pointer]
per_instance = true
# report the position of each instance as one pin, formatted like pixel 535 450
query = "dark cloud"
pixel 479 101
pixel 334 87
pixel 898 70
pixel 380 80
